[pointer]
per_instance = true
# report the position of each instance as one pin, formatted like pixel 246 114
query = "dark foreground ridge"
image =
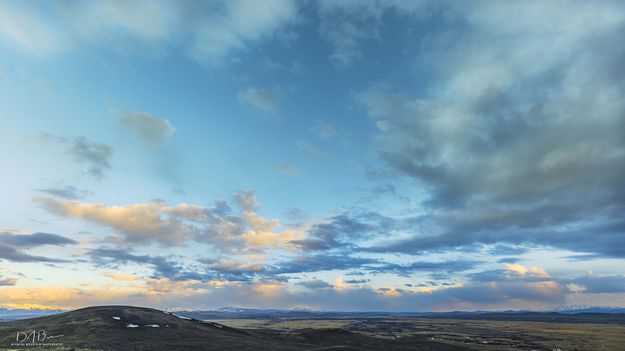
pixel 123 328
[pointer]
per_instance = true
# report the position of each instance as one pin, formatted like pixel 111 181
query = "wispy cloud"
pixel 68 192
pixel 311 149
pixel 289 169
pixel 323 129
pixel 262 100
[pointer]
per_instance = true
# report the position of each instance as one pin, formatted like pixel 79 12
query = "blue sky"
pixel 355 155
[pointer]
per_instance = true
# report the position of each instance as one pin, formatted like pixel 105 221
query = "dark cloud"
pixel 426 266
pixel 314 284
pixel 9 253
pixel 7 281
pixel 11 246
pixel 233 271
pixel 163 267
pixel 34 239
pixel 601 236
pixel 504 250
pixel 172 268
pixel 68 192
pixel 316 263
pixel 510 149
pixel 591 283
pixel 326 262
pixel 341 231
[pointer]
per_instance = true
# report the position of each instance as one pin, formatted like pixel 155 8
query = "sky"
pixel 329 155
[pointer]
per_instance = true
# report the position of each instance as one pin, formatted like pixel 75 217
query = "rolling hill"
pixel 124 328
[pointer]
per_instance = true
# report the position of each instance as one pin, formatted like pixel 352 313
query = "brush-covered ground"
pixel 590 334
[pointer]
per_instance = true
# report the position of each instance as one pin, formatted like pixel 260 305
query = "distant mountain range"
pixel 21 313
pixel 592 310
pixel 577 315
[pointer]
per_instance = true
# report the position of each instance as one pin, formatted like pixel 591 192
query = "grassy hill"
pixel 123 328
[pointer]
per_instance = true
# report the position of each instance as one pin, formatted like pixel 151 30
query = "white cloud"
pixel 207 31
pixel 25 26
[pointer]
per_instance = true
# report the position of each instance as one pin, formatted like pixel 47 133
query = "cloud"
pixel 288 169
pixel 247 200
pixel 13 255
pixel 207 32
pixel 151 129
pixel 67 192
pixel 164 293
pixel 591 283
pixel 452 266
pixel 13 242
pixel 97 156
pixel 343 230
pixel 139 222
pixel 163 267
pixel 233 271
pixel 314 284
pixel 349 25
pixel 323 129
pixel 510 136
pixel 311 149
pixel 264 233
pixel 346 36
pixel 235 24
pixel 24 25
pixel 122 276
pixel 157 222
pixel 34 239
pixel 321 262
pixel 7 281
pixel 262 100
pixel 532 272
pixel 172 268
pixel 444 231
